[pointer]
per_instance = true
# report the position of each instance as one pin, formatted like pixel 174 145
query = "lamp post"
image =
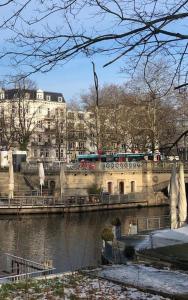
pixel 96 82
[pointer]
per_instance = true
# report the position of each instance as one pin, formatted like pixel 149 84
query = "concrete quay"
pixel 55 209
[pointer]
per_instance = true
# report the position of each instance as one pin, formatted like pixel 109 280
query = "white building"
pixel 39 121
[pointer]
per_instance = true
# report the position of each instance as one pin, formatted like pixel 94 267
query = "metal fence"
pixel 67 200
pixel 152 223
pixel 18 268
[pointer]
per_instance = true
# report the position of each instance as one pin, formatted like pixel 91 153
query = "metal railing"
pixel 144 225
pixel 68 201
pixel 20 268
pixel 54 167
pixel 153 223
pixel 15 278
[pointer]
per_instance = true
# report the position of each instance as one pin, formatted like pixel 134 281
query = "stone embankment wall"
pixel 78 183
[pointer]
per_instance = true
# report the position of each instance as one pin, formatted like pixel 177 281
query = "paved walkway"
pixel 166 282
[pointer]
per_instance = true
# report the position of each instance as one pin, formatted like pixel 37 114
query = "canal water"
pixel 71 241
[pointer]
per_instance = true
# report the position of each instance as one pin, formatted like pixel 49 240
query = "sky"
pixel 75 77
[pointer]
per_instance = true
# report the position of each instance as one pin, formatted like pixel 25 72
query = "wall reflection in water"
pixel 71 240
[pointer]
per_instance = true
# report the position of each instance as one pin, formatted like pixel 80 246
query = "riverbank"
pixel 73 286
pixel 61 209
pixel 170 284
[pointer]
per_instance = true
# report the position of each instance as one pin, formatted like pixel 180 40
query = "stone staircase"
pixel 20 185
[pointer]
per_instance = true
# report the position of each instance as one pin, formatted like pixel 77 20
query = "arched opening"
pixel 110 187
pixel 52 187
pixel 132 186
pixel 121 187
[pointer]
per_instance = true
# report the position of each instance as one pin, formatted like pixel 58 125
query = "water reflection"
pixel 71 240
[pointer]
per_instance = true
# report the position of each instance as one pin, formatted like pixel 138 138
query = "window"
pixel 48 113
pixel 81 145
pixel 39 96
pixel 121 187
pixel 70 115
pixel 61 125
pixel 40 138
pixel 71 145
pixel 49 139
pixel 60 99
pixel 61 153
pixel 39 124
pixel 57 153
pixel 27 95
pixel 48 97
pixel 109 187
pixel 41 153
pixel 71 135
pixel 132 186
pixel 81 135
pixel 46 153
pixel 49 124
pixel 35 153
pixel 70 125
pixel 80 116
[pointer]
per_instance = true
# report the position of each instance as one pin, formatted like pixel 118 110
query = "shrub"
pixel 94 189
pixel 107 234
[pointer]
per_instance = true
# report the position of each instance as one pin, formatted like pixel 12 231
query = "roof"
pixel 11 94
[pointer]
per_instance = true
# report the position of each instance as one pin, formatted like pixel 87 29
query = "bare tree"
pixel 134 115
pixel 113 111
pixel 59 30
pixel 58 132
pixel 7 128
pixel 22 111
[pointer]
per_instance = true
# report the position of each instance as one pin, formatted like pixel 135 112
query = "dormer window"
pixel 40 95
pixel 60 99
pixel 48 97
pixel 27 95
pixel 2 95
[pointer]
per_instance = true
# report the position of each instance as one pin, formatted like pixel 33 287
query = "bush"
pixel 94 189
pixel 107 234
pixel 129 252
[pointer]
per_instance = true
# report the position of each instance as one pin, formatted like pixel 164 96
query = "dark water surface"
pixel 70 240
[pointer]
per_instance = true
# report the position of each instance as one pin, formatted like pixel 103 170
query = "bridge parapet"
pixel 166 167
pixel 142 166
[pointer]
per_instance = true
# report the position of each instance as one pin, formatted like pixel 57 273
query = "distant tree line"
pixel 139 115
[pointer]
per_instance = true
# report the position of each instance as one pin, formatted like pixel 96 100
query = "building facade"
pixel 38 121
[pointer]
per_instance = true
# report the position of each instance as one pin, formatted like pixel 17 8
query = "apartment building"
pixel 80 138
pixel 39 121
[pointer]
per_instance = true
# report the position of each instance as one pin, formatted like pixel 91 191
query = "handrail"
pixel 67 201
pixel 26 275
